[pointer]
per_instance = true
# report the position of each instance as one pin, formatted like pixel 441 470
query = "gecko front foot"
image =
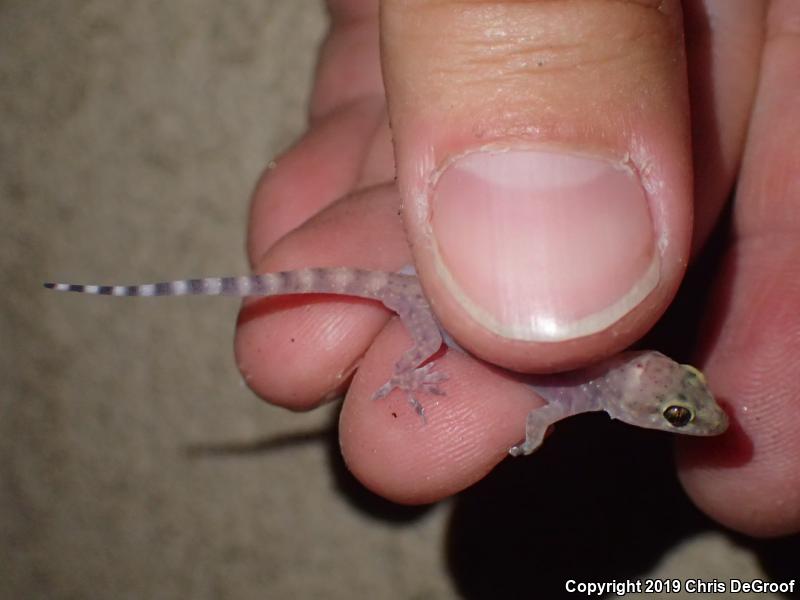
pixel 525 448
pixel 421 379
pixel 538 422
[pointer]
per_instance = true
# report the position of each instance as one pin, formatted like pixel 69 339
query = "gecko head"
pixel 668 396
pixel 689 407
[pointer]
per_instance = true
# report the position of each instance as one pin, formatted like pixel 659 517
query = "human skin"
pixel 595 89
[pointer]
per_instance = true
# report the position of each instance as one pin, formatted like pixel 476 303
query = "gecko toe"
pixel 521 450
pixel 429 383
pixel 529 446
pixel 384 390
pixel 433 389
pixel 436 377
pixel 421 379
pixel 417 406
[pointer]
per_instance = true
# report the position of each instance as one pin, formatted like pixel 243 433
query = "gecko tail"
pixel 248 285
pixel 301 281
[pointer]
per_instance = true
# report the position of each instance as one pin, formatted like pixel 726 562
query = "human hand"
pixel 589 104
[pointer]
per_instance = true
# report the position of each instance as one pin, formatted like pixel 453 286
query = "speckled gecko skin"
pixel 645 389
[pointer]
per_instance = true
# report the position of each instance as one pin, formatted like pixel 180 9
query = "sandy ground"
pixel 133 461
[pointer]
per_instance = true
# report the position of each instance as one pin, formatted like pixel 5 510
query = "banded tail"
pixel 352 282
pixel 208 286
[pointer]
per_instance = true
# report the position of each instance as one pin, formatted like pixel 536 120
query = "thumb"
pixel 542 156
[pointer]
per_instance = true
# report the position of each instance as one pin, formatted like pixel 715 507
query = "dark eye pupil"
pixel 678 416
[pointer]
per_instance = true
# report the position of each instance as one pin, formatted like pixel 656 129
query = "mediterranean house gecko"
pixel 645 388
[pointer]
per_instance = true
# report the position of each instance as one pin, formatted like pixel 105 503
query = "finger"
pixel 347 112
pixel 349 61
pixel 324 165
pixel 750 480
pixel 542 159
pixel 299 351
pixel 723 45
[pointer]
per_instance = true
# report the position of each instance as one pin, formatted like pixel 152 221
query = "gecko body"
pixel 646 388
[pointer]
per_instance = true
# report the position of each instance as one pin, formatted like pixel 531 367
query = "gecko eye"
pixel 678 416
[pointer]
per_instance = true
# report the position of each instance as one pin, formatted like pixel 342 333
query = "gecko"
pixel 642 388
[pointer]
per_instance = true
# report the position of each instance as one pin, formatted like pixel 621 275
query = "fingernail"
pixel 543 246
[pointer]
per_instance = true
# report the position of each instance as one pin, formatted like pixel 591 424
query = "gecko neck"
pixel 586 390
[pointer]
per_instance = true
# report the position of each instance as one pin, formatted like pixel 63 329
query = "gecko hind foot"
pixel 421 379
